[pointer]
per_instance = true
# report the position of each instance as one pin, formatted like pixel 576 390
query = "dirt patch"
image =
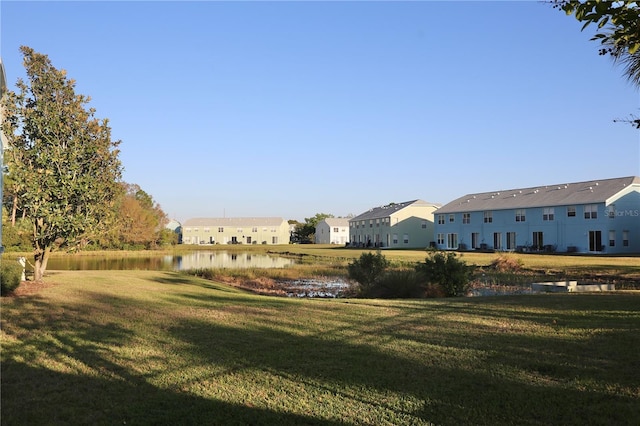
pixel 27 288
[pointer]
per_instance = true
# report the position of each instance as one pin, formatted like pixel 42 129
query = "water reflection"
pixel 200 259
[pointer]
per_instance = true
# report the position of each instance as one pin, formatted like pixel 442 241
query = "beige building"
pixel 332 230
pixel 238 230
pixel 396 225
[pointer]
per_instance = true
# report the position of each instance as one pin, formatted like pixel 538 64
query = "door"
pixel 595 240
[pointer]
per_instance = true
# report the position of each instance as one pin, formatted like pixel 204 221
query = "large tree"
pixel 141 220
pixel 63 157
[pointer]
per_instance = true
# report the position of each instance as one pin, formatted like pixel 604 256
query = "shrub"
pixel 448 271
pixel 403 283
pixel 10 274
pixel 367 269
pixel 507 263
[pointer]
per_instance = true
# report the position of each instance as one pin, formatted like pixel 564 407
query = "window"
pixel 206 229
pixel 335 229
pixel 371 223
pixel 405 238
pixel 571 211
pixel 395 238
pixel 466 218
pixel 424 224
pixel 254 229
pixel 511 240
pixel 221 229
pixel 591 211
pixel 548 213
pixel 440 239
pixel 452 218
pixel 274 240
pixel 520 215
pixel 440 219
pixel 240 230
pixel 612 238
pixel 488 217
pixel 625 238
pixel 452 241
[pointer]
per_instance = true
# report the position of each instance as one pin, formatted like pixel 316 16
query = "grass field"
pixel 143 347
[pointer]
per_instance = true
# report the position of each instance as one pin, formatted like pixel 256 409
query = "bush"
pixel 404 283
pixel 367 269
pixel 10 274
pixel 507 263
pixel 448 271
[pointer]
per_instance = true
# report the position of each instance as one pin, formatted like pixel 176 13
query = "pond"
pixel 178 262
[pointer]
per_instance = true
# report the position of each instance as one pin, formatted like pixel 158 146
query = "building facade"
pixel 396 225
pixel 599 216
pixel 243 230
pixel 332 230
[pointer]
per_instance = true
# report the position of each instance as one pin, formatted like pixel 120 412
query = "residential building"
pixel 242 230
pixel 598 216
pixel 396 225
pixel 332 230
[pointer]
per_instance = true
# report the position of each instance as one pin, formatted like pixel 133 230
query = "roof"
pixel 234 221
pixel 389 209
pixel 594 191
pixel 336 221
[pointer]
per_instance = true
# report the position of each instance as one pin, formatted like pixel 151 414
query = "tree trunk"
pixel 41 258
pixel 14 209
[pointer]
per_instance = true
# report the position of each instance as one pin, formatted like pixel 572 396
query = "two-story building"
pixel 239 230
pixel 395 225
pixel 332 230
pixel 598 216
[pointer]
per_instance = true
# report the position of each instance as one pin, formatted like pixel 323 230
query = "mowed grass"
pixel 143 347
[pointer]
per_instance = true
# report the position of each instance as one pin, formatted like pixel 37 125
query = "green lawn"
pixel 139 347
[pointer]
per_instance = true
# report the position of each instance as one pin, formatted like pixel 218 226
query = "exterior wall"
pixel 564 233
pixel 249 232
pixel 410 227
pixel 332 231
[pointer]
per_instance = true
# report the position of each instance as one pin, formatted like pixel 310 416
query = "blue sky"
pixel 295 108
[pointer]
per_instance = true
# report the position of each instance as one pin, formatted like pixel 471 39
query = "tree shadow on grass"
pixel 85 383
pixel 32 396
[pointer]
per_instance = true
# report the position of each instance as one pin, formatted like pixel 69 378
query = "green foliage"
pixel 618 30
pixel 16 237
pixel 447 270
pixel 399 284
pixel 10 274
pixel 61 158
pixel 367 269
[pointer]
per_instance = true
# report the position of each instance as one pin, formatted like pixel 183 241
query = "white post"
pixel 23 262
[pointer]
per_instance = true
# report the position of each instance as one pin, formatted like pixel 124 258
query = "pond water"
pixel 178 262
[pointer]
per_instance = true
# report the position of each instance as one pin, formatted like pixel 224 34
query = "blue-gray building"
pixel 599 216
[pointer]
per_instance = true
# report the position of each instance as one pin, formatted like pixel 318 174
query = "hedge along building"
pixel 599 216
pixel 396 225
pixel 239 230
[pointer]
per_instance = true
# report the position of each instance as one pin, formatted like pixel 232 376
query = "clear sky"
pixel 295 108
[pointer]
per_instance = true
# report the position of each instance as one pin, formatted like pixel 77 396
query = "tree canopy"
pixel 63 163
pixel 618 30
